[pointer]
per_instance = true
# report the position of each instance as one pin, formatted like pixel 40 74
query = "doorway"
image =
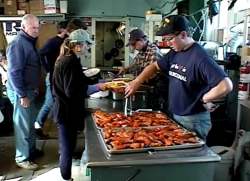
pixel 110 43
pixel 110 48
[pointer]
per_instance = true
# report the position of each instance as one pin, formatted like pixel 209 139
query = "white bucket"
pixel 224 169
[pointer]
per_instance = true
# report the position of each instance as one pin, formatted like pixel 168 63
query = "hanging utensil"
pixel 108 56
pixel 119 43
pixel 114 52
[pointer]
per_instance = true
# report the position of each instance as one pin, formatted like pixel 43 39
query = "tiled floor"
pixel 48 164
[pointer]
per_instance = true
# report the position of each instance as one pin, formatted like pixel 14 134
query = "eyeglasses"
pixel 170 39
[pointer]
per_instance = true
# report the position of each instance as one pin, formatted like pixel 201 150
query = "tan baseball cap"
pixel 78 36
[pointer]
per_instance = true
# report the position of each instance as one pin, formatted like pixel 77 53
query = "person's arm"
pixel 16 64
pixel 148 72
pixel 92 89
pixel 43 52
pixel 214 76
pixel 224 87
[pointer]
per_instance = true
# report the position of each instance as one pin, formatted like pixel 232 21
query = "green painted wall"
pixel 114 8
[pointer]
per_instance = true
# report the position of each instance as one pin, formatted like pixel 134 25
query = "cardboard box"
pixel 24 6
pixel 10 5
pixel 21 12
pixel 51 6
pixel 36 5
pixel 64 6
pixel 10 12
pixel 22 1
pixel 37 12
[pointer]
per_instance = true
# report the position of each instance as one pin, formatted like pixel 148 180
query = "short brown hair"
pixel 75 24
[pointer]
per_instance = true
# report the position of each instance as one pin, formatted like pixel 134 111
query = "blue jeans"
pixel 24 130
pixel 199 123
pixel 48 103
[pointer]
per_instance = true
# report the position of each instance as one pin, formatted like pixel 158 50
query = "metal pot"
pixel 117 96
pixel 140 98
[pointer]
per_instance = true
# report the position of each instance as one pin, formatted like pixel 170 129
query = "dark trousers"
pixel 67 143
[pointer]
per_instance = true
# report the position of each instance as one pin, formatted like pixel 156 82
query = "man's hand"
pixel 131 87
pixel 121 71
pixel 25 102
pixel 210 106
pixel 101 86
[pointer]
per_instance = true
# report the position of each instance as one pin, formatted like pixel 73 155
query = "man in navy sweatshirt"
pixel 48 54
pixel 23 77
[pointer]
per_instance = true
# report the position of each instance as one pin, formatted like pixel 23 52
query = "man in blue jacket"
pixel 23 77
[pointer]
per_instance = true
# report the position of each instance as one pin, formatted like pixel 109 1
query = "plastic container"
pixel 224 169
pixel 100 94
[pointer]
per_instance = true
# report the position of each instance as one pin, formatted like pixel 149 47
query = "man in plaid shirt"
pixel 148 52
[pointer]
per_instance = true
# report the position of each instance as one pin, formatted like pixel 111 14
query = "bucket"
pixel 223 170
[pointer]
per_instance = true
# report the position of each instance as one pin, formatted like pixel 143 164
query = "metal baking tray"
pixel 108 149
pixel 139 110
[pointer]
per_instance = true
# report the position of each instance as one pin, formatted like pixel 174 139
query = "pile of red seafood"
pixel 135 138
pixel 138 119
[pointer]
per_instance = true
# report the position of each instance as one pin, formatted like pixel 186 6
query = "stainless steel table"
pixel 176 165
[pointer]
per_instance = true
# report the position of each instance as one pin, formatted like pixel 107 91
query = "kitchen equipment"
pixel 126 107
pixel 114 52
pixel 117 96
pixel 108 56
pixel 119 43
pixel 221 52
pixel 140 98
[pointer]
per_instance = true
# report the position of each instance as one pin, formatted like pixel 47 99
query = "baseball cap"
pixel 134 35
pixel 173 24
pixel 79 36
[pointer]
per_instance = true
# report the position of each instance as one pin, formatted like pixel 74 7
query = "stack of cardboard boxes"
pixel 10 7
pixel 23 7
pixel 36 7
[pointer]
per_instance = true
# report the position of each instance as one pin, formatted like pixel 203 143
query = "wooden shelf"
pixel 42 17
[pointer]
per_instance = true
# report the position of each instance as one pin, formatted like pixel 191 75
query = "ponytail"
pixel 64 50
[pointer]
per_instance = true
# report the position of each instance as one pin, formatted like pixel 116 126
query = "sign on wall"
pixel 11 29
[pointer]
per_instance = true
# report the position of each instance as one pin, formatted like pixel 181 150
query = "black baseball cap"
pixel 134 35
pixel 172 24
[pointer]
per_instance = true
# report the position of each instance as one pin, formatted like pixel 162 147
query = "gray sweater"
pixel 23 64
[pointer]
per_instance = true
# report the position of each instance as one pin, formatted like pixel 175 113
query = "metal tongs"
pixel 126 107
pixel 112 75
